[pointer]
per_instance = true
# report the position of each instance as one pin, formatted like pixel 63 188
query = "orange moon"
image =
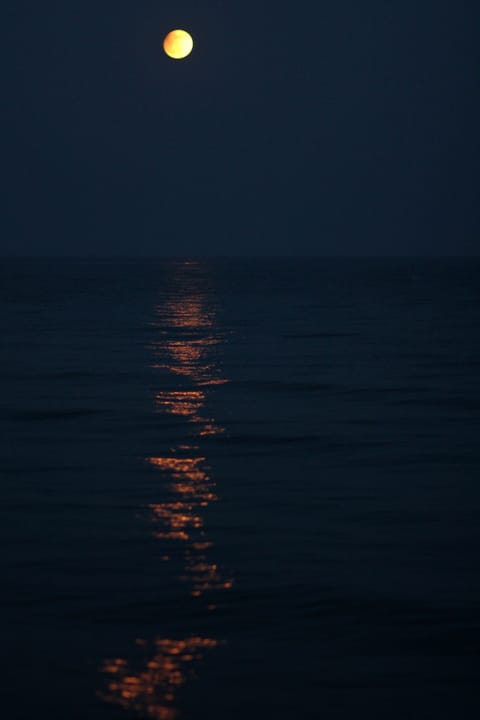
pixel 178 44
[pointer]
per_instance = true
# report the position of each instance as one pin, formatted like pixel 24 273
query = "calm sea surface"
pixel 240 489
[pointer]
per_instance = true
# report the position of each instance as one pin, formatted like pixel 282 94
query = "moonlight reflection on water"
pixel 186 325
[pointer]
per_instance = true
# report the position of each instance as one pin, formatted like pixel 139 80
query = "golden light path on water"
pixel 152 691
pixel 188 315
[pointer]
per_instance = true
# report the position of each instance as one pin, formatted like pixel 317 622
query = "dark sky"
pixel 342 127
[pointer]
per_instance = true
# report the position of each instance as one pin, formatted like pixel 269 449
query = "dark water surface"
pixel 240 489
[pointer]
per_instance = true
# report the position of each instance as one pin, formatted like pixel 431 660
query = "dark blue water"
pixel 240 489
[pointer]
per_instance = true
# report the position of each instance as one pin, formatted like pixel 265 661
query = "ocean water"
pixel 240 489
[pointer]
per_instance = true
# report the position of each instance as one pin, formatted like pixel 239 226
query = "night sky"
pixel 313 128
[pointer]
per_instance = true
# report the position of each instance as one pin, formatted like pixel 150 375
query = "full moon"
pixel 178 44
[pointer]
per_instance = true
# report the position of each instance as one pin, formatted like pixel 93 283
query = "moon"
pixel 178 44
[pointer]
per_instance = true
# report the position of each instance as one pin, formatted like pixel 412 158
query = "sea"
pixel 240 489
